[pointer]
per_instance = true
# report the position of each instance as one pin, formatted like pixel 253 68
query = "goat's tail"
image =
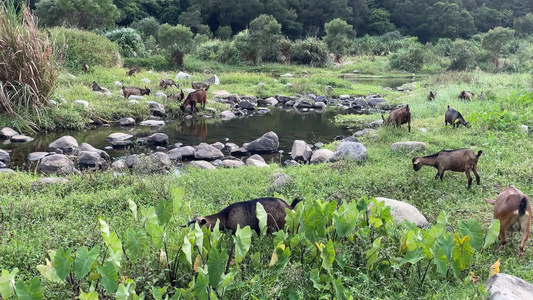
pixel 522 206
pixel 479 153
pixel 383 118
pixel 295 202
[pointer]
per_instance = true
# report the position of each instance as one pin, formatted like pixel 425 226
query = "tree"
pixel 176 41
pixel 337 37
pixel 449 20
pixel 379 22
pixel 190 18
pixel 286 12
pixel 147 27
pixel 204 30
pixel 487 18
pixel 223 32
pixel 265 33
pixel 129 41
pixel 524 25
pixel 88 14
pixel 496 41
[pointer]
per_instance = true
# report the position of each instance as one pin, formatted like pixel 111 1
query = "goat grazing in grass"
pixel 460 160
pixel 398 117
pixel 198 96
pixel 466 95
pixel 200 85
pixel 513 209
pixel 133 70
pixel 431 95
pixel 130 90
pixel 164 83
pixel 452 116
pixel 243 214
pixel 177 96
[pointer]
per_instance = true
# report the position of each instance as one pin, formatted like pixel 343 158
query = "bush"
pixel 223 32
pixel 310 51
pixel 129 42
pixel 462 55
pixel 410 59
pixel 147 27
pixel 155 62
pixel 80 46
pixel 209 50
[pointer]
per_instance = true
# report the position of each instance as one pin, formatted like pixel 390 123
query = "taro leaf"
pixel 328 256
pixel 262 216
pixel 462 252
pixel 158 293
pixel 339 288
pixel 291 219
pixel 430 238
pixel 88 296
pixel 186 248
pixel 315 279
pixel 216 264
pixel 492 233
pixel 149 219
pixel 84 260
pixel 342 225
pixel 133 208
pixel 115 257
pixel 32 291
pixel 200 286
pixel 112 241
pixel 177 198
pixel 104 228
pixel 412 257
pixel 495 268
pixel 284 255
pixel 165 210
pixel 198 237
pixel 372 254
pixel 125 291
pixel 63 262
pixel 243 240
pixel 362 204
pixel 135 242
pixel 109 276
pixel 215 234
pixel 442 251
pixel 7 283
pixel 472 229
pixel 442 221
pixel 47 271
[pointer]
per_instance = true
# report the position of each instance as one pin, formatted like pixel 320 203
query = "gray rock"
pixel 344 97
pixel 360 102
pixel 409 146
pixel 2 165
pixel 174 154
pixel 213 80
pixel 246 104
pixel 350 150
pixel 363 132
pixel 525 128
pixel 267 143
pixel 287 75
pixel 187 151
pixel 218 145
pixel 239 151
pixel 257 161
pixel 422 130
pixel 356 71
pixel 227 115
pixel 375 101
pixel 202 164
pixel 136 98
pixel 283 99
pixel 91 159
pixel 156 139
pixel 160 94
pixel 57 164
pixel 81 102
pixel 118 165
pixel 301 151
pixel 302 104
pixel 183 76
pixel 37 155
pixel 207 152
pixel 271 101
pixel 88 147
pixel 231 163
pixel 6 170
pixel 263 110
pixel 319 105
pixel 67 144
pixel 133 101
pixel 125 122
pixel 6 133
pixel 49 181
pixel 118 136
pixel 288 85
pixel 279 182
pixel 157 109
pixel 321 155
pixel 152 123
pixel 507 287
pixel 376 123
pixel 164 160
pixel 118 83
pixel 122 144
pixel 19 138
pixel 131 160
pixel 4 156
pixel 146 80
pixel 322 99
pixel 401 211
pixel 231 146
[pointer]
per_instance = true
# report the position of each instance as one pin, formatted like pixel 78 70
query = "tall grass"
pixel 28 65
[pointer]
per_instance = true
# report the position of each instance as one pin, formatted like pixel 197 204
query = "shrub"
pixel 265 34
pixel 129 42
pixel 80 46
pixel 147 27
pixel 155 62
pixel 28 72
pixel 462 55
pixel 410 59
pixel 337 32
pixel 209 50
pixel 310 51
pixel 223 32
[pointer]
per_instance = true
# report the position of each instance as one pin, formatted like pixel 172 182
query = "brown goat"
pixel 164 83
pixel 243 214
pixel 466 95
pixel 130 90
pixel 198 96
pixel 398 117
pixel 200 85
pixel 460 160
pixel 133 70
pixel 513 209
pixel 177 96
pixel 431 95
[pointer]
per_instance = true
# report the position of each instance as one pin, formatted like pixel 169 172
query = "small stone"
pixel 146 80
pixel 286 75
pixel 125 122
pixel 81 102
pixel 7 133
pixel 256 160
pixel 409 146
pixel 20 139
pixel 118 136
pixel 202 164
pixel 37 155
pixel 152 123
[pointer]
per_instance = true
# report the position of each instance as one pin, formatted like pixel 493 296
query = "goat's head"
pixel 416 163
pixel 146 91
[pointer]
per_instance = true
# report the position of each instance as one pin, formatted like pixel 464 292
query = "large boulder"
pixel 152 123
pixel 156 139
pixel 207 152
pixel 183 76
pixel 280 181
pixel 88 147
pixel 202 164
pixel 182 152
pixel 164 160
pixel 125 122
pixel 271 101
pixel 157 109
pixel 4 156
pixel 267 143
pixel 507 287
pixel 91 159
pixel 227 115
pixel 257 161
pixel 402 211
pixel 231 163
pixel 375 101
pixel 67 144
pixel 350 150
pixel 409 146
pixel 213 80
pixel 6 133
pixel 57 164
pixel 118 136
pixel 301 150
pixel 321 155
pixel 247 104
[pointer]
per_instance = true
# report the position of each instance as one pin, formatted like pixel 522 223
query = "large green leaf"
pixel 442 251
pixel 200 286
pixel 430 239
pixel 442 221
pixel 492 233
pixel 372 254
pixel 242 240
pixel 126 290
pixel 328 256
pixel 84 260
pixel 216 264
pixel 104 228
pixel 186 248
pixel 48 272
pixel 135 242
pixel 109 276
pixel 472 229
pixel 7 283
pixel 344 223
pixel 115 257
pixel 412 257
pixel 133 208
pixel 112 241
pixel 198 237
pixel 88 296
pixel 32 291
pixel 165 209
pixel 462 252
pixel 63 262
pixel 158 293
pixel 262 216
pixel 177 199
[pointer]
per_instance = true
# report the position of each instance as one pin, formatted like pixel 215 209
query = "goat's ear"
pixel 448 107
pixel 415 160
pixel 202 221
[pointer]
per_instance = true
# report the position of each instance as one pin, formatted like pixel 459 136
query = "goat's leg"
pixel 467 172
pixel 441 173
pixel 502 236
pixel 525 228
pixel 478 179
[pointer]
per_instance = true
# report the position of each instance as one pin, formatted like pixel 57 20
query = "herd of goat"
pixel 512 207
